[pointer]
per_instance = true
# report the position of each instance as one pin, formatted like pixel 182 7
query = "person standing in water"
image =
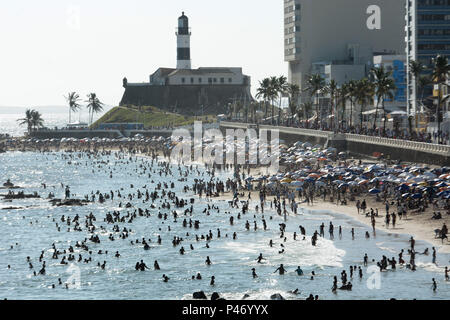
pixel 281 269
pixel 434 285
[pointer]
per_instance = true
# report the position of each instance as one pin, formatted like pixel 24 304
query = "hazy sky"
pixel 50 47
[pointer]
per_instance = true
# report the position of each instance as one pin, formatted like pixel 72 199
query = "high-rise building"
pixel 340 32
pixel 427 35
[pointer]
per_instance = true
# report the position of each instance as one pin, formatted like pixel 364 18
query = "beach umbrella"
pixel 406 195
pixel 297 183
pixel 363 182
pixel 374 191
pixel 320 183
pixel 417 196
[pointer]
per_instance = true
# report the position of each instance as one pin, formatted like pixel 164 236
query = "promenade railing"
pixel 396 143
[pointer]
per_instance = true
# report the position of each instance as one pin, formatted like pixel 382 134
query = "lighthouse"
pixel 183 43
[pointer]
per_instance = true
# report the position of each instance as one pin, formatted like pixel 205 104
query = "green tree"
pixel 263 92
pixel 274 89
pixel 314 84
pixel 332 89
pixel 28 120
pixel 293 91
pixel 415 70
pixel 384 88
pixel 363 94
pixel 94 105
pixel 351 94
pixel 36 120
pixel 441 69
pixel 342 96
pixel 72 99
pixel 282 89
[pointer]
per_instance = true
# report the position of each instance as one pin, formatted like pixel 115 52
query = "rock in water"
pixel 215 296
pixel 199 295
pixel 245 296
pixel 276 296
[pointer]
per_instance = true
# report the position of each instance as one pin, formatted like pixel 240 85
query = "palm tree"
pixel 94 105
pixel 28 120
pixel 363 94
pixel 440 73
pixel 274 89
pixel 72 99
pixel 343 95
pixel 415 69
pixel 263 92
pixel 315 84
pixel 36 119
pixel 351 93
pixel 293 91
pixel 332 90
pixel 282 89
pixel 384 87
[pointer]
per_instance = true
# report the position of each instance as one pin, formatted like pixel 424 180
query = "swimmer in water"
pixel 260 258
pixel 281 269
pixel 254 273
pixel 299 271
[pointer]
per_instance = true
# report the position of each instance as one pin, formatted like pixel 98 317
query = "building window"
pixel 199 80
pixel 215 79
pixel 192 80
pixel 230 80
pixel 209 80
pixel 183 80
pixel 222 80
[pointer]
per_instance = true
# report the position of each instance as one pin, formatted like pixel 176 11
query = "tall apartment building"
pixel 427 34
pixel 340 33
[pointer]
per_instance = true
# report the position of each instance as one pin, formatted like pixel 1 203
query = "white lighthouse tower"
pixel 183 43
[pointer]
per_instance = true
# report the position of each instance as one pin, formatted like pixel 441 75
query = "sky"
pixel 51 47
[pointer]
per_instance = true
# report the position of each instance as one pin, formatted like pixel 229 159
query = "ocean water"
pixel 33 228
pixel 52 119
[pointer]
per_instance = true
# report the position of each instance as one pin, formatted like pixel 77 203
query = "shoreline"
pixel 410 226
